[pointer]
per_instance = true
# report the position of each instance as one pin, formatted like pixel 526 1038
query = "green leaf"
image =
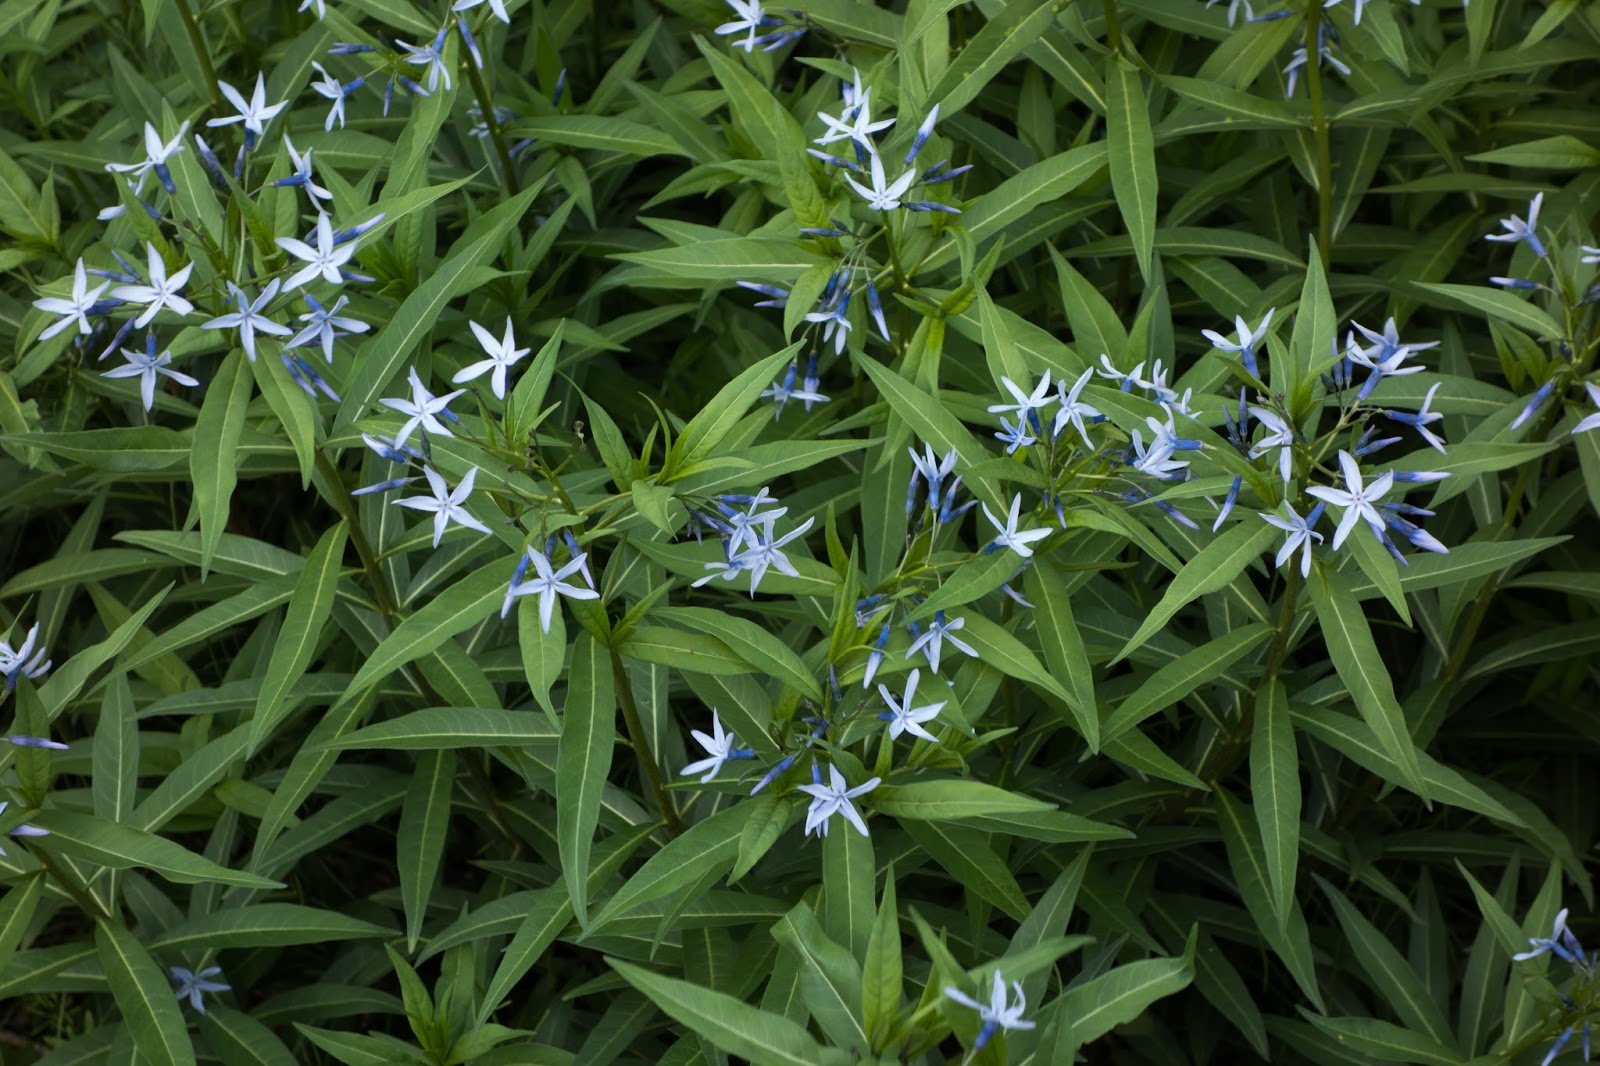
pixel 239 1039
pixel 263 925
pixel 1121 995
pixel 967 857
pixel 419 844
pixel 933 423
pixel 1275 790
pixel 731 1024
pixel 115 766
pixel 601 133
pixel 144 996
pixel 379 360
pixel 1497 303
pixel 122 847
pixel 1213 568
pixel 765 259
pixel 848 872
pixel 830 978
pixel 212 465
pixel 1355 656
pixel 952 798
pixel 750 642
pixel 1064 650
pixel 1001 39
pixel 1132 155
pixel 583 759
pixel 1388 972
pixel 1385 1041
pixel 436 728
pixel 464 604
pixel 1184 675
pixel 705 845
pixel 310 607
pixel 544 919
pixel 716 420
pixel 882 971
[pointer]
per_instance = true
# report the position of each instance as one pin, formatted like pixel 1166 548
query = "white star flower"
pixel 444 504
pixel 249 319
pixel 255 113
pixel 325 259
pixel 502 354
pixel 161 292
pixel 720 747
pixel 834 798
pixel 902 717
pixel 1357 499
pixel 145 366
pixel 73 309
pixel 548 584
pixel 1009 535
pixel 997 1013
pixel 422 409
pixel 938 632
pixel 883 196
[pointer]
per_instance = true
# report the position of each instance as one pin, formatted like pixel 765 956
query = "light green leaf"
pixel 144 996
pixel 1213 568
pixel 1131 153
pixel 122 847
pixel 1275 790
pixel 583 759
pixel 310 607
pixel 419 844
pixel 448 727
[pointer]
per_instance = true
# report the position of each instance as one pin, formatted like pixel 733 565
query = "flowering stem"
pixel 1319 131
pixel 480 89
pixel 199 45
pixel 641 746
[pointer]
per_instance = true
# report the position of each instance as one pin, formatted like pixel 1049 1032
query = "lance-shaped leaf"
pixel 583 759
pixel 732 1024
pixel 1355 656
pixel 1213 568
pixel 464 604
pixel 310 607
pixel 1275 793
pixel 212 465
pixel 419 844
pixel 144 996
pixel 1131 153
pixel 122 847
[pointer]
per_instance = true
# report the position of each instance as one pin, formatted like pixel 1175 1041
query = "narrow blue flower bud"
pixel 783 764
pixel 924 131
pixel 561 87
pixel 911 491
pixel 472 45
pixel 345 48
pixel 1535 403
pixel 832 160
pixel 383 486
pixel 1421 477
pixel 938 175
pixel 1227 504
pixel 833 684
pixel 930 205
pixel 37 742
pixel 1514 283
pixel 821 231
pixel 877 309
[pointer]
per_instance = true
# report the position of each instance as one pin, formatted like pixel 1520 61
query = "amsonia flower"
pixel 1280 435
pixel 249 319
pixel 156 156
pixel 1009 536
pixel 1072 410
pixel 1027 403
pixel 938 632
pixel 1560 943
pixel 145 366
pixel 432 57
pixel 548 584
pixel 903 717
pixel 74 309
pixel 1248 338
pixel 254 113
pixel 325 259
pixel 719 746
pixel 1300 535
pixel 497 6
pixel 324 324
pixel 998 1013
pixel 882 195
pixel 854 122
pixel 834 798
pixel 331 88
pixel 1357 498
pixel 16 662
pixel 751 17
pixel 192 985
pixel 422 409
pixel 23 830
pixel 162 291
pixel 445 504
pixel 1421 420
pixel 302 176
pixel 502 354
pixel 1517 230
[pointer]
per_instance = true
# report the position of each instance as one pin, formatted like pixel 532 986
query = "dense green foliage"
pixel 446 622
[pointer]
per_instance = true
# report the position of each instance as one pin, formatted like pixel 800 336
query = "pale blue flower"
pixel 938 632
pixel 1517 230
pixel 1590 422
pixel 423 409
pixel 998 1013
pixel 548 584
pixel 324 324
pixel 74 309
pixel 254 113
pixel 882 195
pixel 503 354
pixel 445 504
pixel 161 292
pixel 248 319
pixel 834 798
pixel 331 88
pixel 720 749
pixel 325 259
pixel 1300 535
pixel 903 717
pixel 1009 536
pixel 432 57
pixel 193 985
pixel 145 366
pixel 23 661
pixel 1357 498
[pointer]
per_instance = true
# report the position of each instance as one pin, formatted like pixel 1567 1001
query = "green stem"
pixel 87 903
pixel 480 89
pixel 345 505
pixel 641 746
pixel 1113 27
pixel 198 43
pixel 1319 131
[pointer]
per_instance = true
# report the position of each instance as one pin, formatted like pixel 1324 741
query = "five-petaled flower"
pixel 719 746
pixel 324 325
pixel 547 583
pixel 882 195
pixel 834 798
pixel 1517 230
pixel 502 354
pixel 22 661
pixel 903 717
pixel 191 985
pixel 249 319
pixel 1300 535
pixel 163 291
pixel 938 632
pixel 73 309
pixel 751 18
pixel 145 366
pixel 998 1013
pixel 445 504
pixel 422 410
pixel 1357 498
pixel 156 156
pixel 1009 536
pixel 325 259
pixel 254 113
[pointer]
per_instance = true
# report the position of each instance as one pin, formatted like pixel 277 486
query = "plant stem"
pixel 1113 26
pixel 87 903
pixel 198 43
pixel 1319 131
pixel 641 746
pixel 480 89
